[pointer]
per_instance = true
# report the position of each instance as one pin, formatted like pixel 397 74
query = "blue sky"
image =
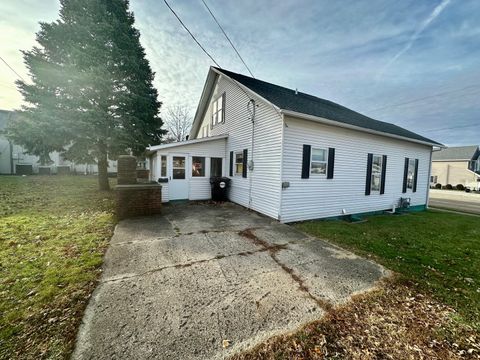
pixel 413 63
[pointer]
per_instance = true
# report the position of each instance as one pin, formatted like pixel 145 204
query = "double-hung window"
pixel 318 163
pixel 239 163
pixel 376 174
pixel 218 110
pixel 410 173
pixel 376 178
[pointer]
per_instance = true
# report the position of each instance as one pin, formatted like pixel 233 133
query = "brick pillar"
pixel 138 200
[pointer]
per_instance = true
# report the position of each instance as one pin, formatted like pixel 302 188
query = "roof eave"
pixel 154 148
pixel 358 128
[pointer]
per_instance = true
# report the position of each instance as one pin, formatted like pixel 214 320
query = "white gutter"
pixel 187 142
pixel 353 127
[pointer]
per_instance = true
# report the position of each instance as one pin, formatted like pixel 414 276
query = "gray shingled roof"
pixel 288 99
pixel 456 153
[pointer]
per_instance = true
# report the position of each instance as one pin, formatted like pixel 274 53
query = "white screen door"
pixel 178 179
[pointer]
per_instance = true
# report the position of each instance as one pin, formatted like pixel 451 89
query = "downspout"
pixel 429 175
pixel 251 168
pixel 281 167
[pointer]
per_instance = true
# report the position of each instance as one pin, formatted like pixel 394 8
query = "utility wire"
pixel 193 37
pixel 230 41
pixel 12 69
pixel 424 98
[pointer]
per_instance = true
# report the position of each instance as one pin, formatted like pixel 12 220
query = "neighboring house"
pixel 457 165
pixel 14 160
pixel 290 155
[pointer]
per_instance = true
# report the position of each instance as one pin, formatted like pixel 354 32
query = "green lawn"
pixel 53 233
pixel 438 251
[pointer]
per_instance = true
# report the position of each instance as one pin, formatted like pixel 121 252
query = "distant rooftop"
pixel 456 153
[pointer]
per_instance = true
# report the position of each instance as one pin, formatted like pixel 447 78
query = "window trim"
pixel 235 163
pixel 374 173
pixel 321 162
pixel 204 167
pixel 222 98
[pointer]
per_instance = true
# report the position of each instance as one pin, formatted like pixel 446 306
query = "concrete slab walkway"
pixel 176 286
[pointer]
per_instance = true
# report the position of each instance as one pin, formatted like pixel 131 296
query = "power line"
pixel 12 69
pixel 230 41
pixel 193 37
pixel 454 127
pixel 424 98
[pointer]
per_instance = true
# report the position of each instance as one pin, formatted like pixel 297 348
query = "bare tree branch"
pixel 178 123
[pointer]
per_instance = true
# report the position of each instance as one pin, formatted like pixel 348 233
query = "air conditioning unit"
pixel 404 203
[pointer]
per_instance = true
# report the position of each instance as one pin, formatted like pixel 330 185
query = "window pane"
pixel 239 157
pixel 179 162
pixel 220 116
pixel 318 168
pixel 179 173
pixel 198 166
pixel 220 102
pixel 216 167
pixel 411 173
pixel 239 168
pixel 163 168
pixel 376 165
pixel 319 155
pixel 375 182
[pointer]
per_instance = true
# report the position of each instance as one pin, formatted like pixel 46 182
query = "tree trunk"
pixel 103 183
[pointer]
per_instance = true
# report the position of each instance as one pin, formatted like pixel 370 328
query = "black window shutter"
pixel 415 176
pixel 231 163
pixel 331 162
pixel 384 173
pixel 369 174
pixel 405 176
pixel 245 162
pixel 306 161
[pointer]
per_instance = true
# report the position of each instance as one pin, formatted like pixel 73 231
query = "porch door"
pixel 178 184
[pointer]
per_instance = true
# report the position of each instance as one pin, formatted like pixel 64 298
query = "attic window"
pixel 218 110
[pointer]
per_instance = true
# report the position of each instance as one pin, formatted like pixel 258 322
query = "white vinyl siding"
pixel 319 197
pixel 265 178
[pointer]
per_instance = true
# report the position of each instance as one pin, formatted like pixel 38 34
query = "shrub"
pixel 438 186
pixel 449 187
pixel 460 187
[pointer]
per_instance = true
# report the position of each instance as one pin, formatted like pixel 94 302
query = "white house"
pixel 290 155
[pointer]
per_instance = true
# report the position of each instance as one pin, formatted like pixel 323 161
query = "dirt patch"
pixel 392 322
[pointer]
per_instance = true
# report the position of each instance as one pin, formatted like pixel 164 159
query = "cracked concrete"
pixel 175 286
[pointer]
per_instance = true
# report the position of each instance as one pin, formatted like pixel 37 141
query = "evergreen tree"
pixel 92 96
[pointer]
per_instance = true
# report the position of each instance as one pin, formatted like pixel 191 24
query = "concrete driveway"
pixel 176 286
